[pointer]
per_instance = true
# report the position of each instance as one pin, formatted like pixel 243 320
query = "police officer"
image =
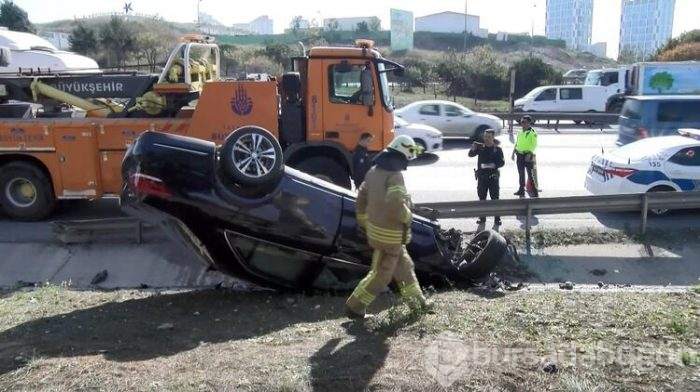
pixel 383 210
pixel 361 161
pixel 487 172
pixel 524 149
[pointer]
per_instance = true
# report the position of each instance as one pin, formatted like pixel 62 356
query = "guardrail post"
pixel 528 214
pixel 139 233
pixel 645 209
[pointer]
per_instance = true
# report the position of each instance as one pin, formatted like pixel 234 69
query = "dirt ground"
pixel 55 338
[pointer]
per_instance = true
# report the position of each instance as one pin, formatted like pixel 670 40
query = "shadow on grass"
pixel 129 330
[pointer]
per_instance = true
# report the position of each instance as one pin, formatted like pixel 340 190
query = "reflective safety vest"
pixel 527 141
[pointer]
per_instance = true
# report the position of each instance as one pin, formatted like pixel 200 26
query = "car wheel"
pixel 252 156
pixel 326 169
pixel 662 188
pixel 484 252
pixel 26 193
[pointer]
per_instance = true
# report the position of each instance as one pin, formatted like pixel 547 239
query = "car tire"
pixel 661 188
pixel 491 247
pixel 252 156
pixel 326 169
pixel 26 193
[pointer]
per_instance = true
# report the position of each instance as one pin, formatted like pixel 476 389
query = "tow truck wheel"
pixel 25 192
pixel 326 169
pixel 484 252
pixel 252 156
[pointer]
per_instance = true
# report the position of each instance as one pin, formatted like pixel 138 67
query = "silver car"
pixel 452 119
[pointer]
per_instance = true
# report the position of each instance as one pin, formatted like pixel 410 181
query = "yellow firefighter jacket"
pixel 384 208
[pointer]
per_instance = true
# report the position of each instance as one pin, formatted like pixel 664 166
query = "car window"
pixel 284 265
pixel 345 86
pixel 453 111
pixel 430 110
pixel 687 157
pixel 679 111
pixel 571 93
pixel 632 109
pixel 549 94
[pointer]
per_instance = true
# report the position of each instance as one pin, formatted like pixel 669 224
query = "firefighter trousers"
pixel 392 263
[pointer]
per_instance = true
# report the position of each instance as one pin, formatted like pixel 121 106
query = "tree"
pixel 661 81
pixel 688 37
pixel 119 40
pixel 375 24
pixel 152 47
pixel 362 28
pixel 83 40
pixel 487 77
pixel 15 18
pixel 296 24
pixel 333 25
pixel 279 53
pixel 683 52
pixel 532 72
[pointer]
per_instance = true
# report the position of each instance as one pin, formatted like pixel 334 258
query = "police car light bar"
pixel 692 133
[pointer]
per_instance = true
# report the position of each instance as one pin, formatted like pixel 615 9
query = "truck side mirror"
pixel 367 87
pixel 5 56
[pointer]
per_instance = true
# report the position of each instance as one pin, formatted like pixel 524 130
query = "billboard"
pixel 401 29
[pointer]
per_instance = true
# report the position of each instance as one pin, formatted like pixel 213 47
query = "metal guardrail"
pixel 642 202
pixel 600 119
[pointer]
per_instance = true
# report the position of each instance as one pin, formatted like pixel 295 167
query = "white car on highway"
pixel 425 136
pixel 452 119
pixel 665 163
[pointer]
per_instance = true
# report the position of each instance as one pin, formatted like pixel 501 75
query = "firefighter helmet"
pixel 405 145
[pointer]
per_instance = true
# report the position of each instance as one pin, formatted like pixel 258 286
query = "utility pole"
pixel 465 26
pixel 532 26
pixel 198 23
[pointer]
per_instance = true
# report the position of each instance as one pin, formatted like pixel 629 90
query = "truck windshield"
pixel 593 78
pixel 384 85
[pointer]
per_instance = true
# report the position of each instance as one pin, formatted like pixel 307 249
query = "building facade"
pixel 599 49
pixel 645 25
pixel 260 25
pixel 571 21
pixel 451 22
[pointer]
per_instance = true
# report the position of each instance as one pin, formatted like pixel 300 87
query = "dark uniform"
pixel 487 173
pixel 361 163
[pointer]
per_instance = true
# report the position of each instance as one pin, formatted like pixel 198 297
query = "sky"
pixel 513 16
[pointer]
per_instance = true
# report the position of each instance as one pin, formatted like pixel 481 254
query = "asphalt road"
pixel 563 159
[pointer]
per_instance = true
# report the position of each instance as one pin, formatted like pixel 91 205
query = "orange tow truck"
pixel 63 136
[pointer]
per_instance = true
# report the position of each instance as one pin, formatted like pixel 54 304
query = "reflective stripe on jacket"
pixel 383 207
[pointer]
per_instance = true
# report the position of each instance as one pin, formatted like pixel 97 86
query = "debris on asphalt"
pixel 99 277
pixel 550 368
pixel 166 326
pixel 566 285
pixel 598 272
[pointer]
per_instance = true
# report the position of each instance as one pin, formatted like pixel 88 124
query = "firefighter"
pixel 524 149
pixel 487 173
pixel 384 214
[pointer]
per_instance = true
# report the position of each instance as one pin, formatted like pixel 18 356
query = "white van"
pixel 31 53
pixel 568 98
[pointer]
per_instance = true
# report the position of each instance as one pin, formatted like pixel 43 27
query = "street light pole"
pixel 465 26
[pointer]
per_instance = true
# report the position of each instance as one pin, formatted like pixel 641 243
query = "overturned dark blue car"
pixel 240 210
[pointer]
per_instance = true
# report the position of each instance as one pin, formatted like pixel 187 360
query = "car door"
pixel 456 124
pixel 546 101
pixel 429 114
pixel 683 168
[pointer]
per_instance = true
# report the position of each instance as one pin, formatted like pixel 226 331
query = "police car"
pixel 666 163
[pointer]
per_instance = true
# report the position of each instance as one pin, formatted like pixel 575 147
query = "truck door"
pixel 77 154
pixel 345 118
pixel 546 101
